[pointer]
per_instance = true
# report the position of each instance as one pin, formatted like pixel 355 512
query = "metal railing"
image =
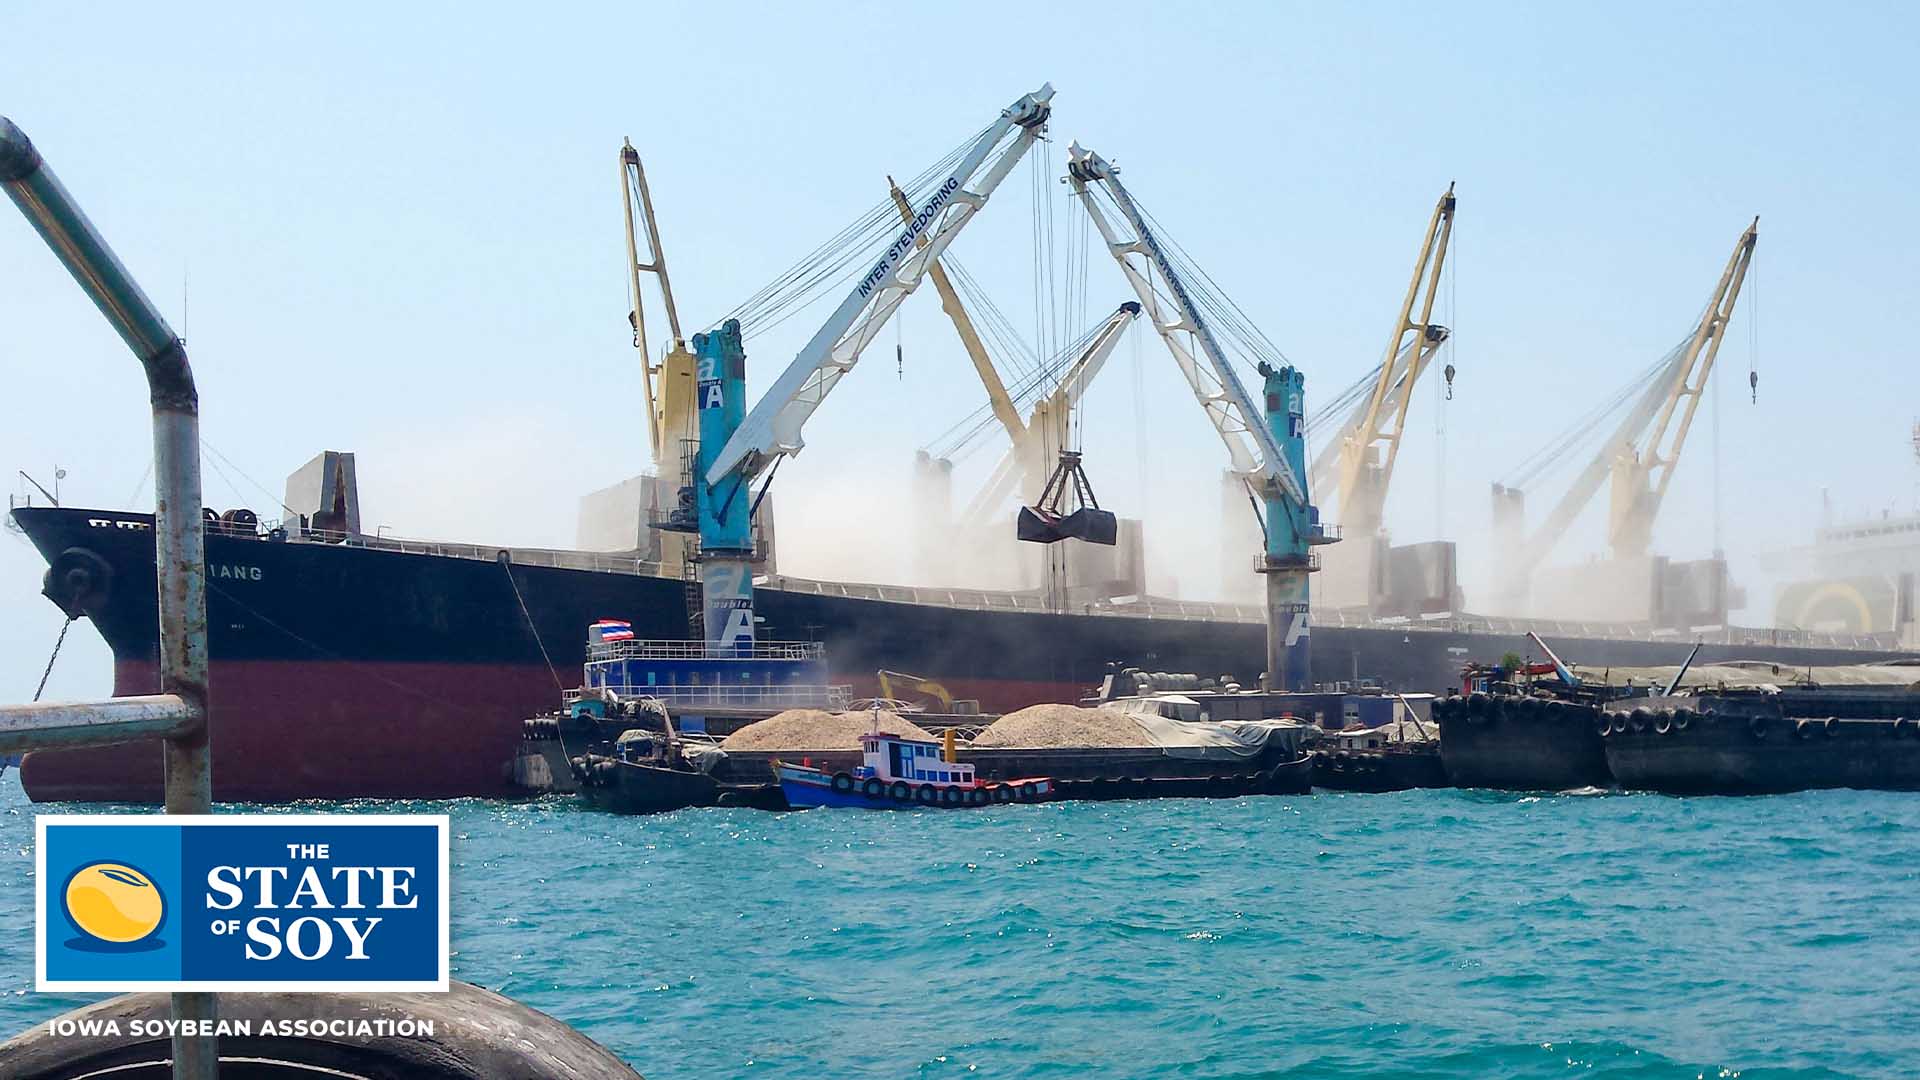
pixel 746 696
pixel 178 714
pixel 676 649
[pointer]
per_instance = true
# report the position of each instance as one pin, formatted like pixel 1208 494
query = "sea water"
pixel 1433 934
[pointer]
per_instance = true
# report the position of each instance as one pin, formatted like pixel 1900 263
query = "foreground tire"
pixel 842 782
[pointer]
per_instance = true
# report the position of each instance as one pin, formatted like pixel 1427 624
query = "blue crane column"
pixel 726 529
pixel 1293 529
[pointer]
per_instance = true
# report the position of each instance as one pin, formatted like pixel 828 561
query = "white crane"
pixel 1251 447
pixel 773 427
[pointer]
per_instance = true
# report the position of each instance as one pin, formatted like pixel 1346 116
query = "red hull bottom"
pixel 285 730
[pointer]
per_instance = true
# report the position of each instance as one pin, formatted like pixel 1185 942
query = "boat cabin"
pixel 890 757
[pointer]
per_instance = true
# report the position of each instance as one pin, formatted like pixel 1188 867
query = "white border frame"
pixel 440 822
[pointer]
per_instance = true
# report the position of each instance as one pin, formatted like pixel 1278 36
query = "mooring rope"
pixel 507 565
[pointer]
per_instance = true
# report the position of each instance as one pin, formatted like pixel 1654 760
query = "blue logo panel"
pixel 243 902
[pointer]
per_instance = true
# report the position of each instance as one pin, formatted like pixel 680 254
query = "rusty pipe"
pixel 179 537
pixel 47 725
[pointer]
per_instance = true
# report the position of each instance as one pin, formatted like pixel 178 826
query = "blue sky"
pixel 394 229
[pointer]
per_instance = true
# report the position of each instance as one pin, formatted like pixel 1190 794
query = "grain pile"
pixel 817 729
pixel 1063 725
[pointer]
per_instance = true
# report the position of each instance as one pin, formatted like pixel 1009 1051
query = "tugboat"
pixel 901 774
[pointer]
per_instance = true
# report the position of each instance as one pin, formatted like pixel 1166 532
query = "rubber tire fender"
pixel 1477 705
pixel 842 782
pixel 1603 726
pixel 1000 793
pixel 1663 722
pixel 873 788
pixel 1803 727
pixel 978 797
pixel 900 791
pixel 1831 727
pixel 1029 792
pixel 952 796
pixel 926 795
pixel 1757 727
pixel 1640 719
pixel 1683 719
pixel 1620 722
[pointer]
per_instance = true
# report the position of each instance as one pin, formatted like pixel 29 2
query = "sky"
pixel 395 230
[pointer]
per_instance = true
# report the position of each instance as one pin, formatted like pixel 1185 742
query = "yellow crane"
pixel 1358 461
pixel 669 381
pixel 1640 456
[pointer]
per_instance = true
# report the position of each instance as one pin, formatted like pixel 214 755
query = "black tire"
pixel 1001 793
pixel 952 796
pixel 1640 719
pixel 977 797
pixel 842 782
pixel 1900 726
pixel 872 787
pixel 1477 704
pixel 900 791
pixel 926 795
pixel 1663 722
pixel 1498 710
pixel 1757 727
pixel 1803 727
pixel 1682 719
pixel 1619 724
pixel 1029 792
pixel 1831 727
pixel 1603 726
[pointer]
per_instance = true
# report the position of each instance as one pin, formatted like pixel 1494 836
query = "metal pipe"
pixel 179 537
pixel 94 723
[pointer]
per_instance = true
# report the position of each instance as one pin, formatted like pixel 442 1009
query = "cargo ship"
pixel 351 665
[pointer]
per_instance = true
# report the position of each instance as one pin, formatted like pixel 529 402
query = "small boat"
pixel 902 774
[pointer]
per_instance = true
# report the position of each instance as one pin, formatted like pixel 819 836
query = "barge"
pixel 1762 740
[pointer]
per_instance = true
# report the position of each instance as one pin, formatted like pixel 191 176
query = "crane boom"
pixel 668 384
pixel 997 397
pixel 1027 457
pixel 1639 448
pixel 1362 482
pixel 1251 446
pixel 772 428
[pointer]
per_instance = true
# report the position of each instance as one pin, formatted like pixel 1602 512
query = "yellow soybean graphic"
pixel 114 902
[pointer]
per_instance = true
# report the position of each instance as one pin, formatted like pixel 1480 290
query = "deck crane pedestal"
pixel 1265 441
pixel 735 449
pixel 1637 459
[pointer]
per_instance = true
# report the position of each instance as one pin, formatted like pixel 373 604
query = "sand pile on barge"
pixel 817 729
pixel 1063 725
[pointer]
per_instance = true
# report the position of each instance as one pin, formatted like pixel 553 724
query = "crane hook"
pixel 1449 374
pixel 1753 384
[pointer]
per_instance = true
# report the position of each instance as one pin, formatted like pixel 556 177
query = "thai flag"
pixel 610 630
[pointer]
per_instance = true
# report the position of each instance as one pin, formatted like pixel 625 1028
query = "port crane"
pixel 1640 455
pixel 668 381
pixel 1025 462
pixel 1358 461
pixel 1266 446
pixel 737 446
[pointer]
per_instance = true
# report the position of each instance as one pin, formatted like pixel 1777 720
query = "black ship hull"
pixel 350 670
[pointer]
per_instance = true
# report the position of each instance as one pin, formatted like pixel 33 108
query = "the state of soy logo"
pixel 265 902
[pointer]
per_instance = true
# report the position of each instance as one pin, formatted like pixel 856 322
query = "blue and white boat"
pixel 905 774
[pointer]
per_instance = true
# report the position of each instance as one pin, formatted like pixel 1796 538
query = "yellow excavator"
pixel 890 681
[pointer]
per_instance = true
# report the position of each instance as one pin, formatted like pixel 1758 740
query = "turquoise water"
pixel 1426 934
